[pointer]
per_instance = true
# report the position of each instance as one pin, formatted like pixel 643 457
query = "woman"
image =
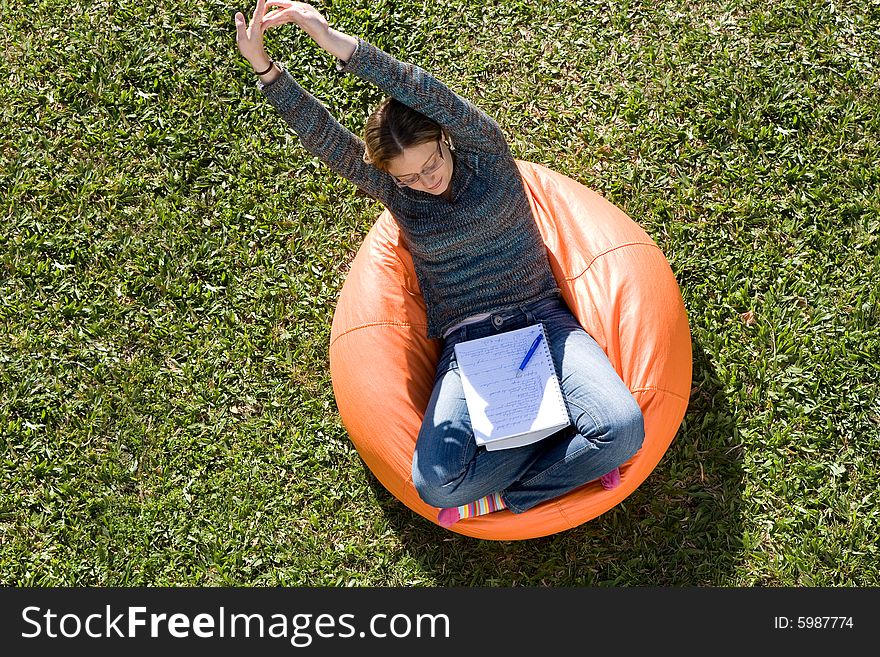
pixel 444 170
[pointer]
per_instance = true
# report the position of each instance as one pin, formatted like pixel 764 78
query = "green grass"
pixel 171 258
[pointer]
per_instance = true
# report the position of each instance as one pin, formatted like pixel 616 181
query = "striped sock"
pixel 481 507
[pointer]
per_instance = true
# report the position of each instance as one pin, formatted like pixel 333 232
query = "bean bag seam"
pixel 604 253
pixel 363 326
pixel 658 389
pixel 559 507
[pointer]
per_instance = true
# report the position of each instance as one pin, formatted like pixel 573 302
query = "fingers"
pixel 260 18
pixel 273 19
pixel 257 18
pixel 278 17
pixel 285 4
pixel 242 26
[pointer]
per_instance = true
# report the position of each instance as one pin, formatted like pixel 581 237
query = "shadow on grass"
pixel 681 527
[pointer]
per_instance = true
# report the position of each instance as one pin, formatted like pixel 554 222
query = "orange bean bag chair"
pixel 614 278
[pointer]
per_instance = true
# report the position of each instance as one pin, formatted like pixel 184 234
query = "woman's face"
pixel 431 160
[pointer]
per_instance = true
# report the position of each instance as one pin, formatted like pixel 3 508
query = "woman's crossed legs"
pixel 607 429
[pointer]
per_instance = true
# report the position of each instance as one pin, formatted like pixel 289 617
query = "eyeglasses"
pixel 412 179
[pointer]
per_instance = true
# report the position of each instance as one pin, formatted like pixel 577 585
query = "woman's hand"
pixel 303 14
pixel 249 38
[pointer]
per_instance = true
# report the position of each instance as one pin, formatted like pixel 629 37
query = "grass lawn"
pixel 170 259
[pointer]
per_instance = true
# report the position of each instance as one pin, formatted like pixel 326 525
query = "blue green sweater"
pixel 478 252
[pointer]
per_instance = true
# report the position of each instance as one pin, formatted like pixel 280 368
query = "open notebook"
pixel 507 410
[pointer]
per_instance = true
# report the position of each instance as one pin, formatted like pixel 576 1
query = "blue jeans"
pixel 607 427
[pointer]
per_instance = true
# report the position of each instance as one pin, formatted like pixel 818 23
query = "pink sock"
pixel 610 480
pixel 448 517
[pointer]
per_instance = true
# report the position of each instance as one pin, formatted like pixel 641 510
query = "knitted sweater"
pixel 478 252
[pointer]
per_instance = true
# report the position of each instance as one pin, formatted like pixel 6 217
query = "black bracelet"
pixel 271 64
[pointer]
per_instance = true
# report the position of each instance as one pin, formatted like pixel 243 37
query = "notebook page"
pixel 500 403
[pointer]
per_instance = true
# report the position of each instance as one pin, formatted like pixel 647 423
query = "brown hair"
pixel 392 127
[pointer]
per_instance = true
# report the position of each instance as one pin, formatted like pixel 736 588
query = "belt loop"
pixel 530 317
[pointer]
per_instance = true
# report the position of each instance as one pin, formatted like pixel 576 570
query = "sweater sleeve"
pixel 323 136
pixel 471 128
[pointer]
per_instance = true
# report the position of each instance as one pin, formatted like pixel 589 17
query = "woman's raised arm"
pixel 470 127
pixel 320 134
pixel 310 21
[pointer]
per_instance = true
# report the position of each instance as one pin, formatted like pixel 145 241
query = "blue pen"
pixel 525 360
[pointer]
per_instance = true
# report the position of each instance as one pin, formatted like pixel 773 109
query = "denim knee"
pixel 626 430
pixel 432 484
pixel 433 490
